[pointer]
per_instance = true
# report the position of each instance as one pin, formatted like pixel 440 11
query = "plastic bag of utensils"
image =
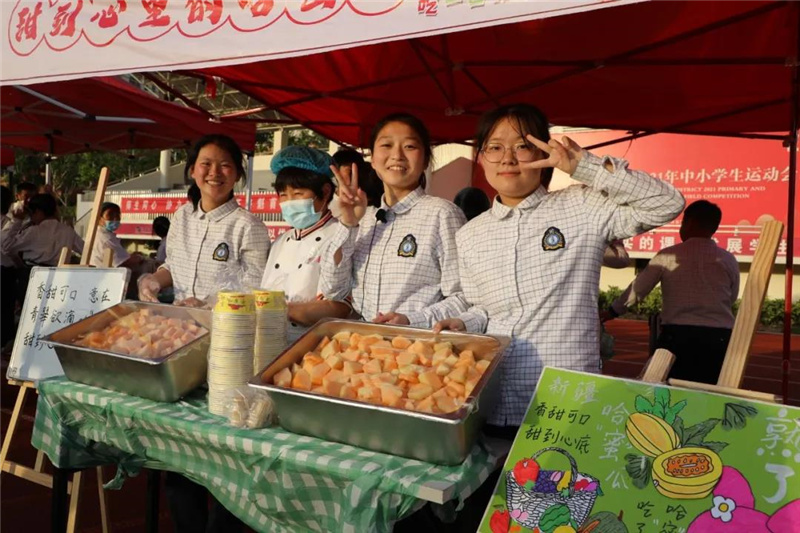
pixel 249 408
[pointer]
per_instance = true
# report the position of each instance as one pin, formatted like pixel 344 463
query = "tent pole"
pixel 249 192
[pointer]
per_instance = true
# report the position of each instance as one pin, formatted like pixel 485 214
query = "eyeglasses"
pixel 523 152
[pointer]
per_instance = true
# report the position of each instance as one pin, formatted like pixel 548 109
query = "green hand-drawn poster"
pixel 606 455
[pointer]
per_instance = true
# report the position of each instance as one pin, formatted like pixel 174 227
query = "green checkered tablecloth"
pixel 273 480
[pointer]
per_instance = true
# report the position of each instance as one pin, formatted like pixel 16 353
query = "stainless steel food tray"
pixel 442 439
pixel 165 379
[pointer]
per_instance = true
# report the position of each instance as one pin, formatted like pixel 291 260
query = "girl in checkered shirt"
pixel 398 261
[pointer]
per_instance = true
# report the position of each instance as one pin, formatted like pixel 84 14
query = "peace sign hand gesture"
pixel 352 200
pixel 564 155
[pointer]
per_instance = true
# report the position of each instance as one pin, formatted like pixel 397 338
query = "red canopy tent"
pixel 102 114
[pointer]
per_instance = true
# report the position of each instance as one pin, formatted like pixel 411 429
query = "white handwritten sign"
pixel 56 298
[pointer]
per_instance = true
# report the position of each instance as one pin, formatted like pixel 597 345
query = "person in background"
pixel 8 275
pixel 25 191
pixel 369 182
pixel 161 228
pixel 211 238
pixel 472 201
pixel 399 262
pixel 616 256
pixel 42 241
pixel 305 188
pixel 699 284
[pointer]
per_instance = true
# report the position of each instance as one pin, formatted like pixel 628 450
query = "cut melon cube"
pixel 421 348
pixel 469 386
pixel 318 372
pixel 373 367
pixel 351 355
pixel 342 336
pixel 441 393
pixel 390 364
pixel 442 370
pixel 335 375
pixel 368 341
pixel 382 346
pixel 419 391
pixel 359 380
pixel 384 377
pixel 335 362
pixel 407 358
pixel 443 346
pixel 482 365
pixel 391 395
pixel 318 390
pixel 347 392
pixel 446 404
pixel 330 349
pixel 355 338
pixel 409 376
pixel 459 374
pixel 466 358
pixel 439 356
pixel 411 405
pixel 322 344
pixel 425 360
pixel 430 378
pixel 401 342
pixel 351 367
pixel 451 360
pixel 368 393
pixel 301 380
pixel 428 405
pixel 311 360
pixel 283 378
pixel 295 368
pixel 332 388
pixel 455 389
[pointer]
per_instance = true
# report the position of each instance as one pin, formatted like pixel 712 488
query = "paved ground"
pixel 25 507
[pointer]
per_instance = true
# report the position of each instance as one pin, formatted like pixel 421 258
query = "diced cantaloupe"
pixel 373 367
pixel 442 370
pixel 384 377
pixel 310 360
pixel 368 341
pixel 441 393
pixel 351 355
pixel 482 365
pixel 401 342
pixel 301 380
pixel 318 372
pixel 295 368
pixel 411 405
pixel 368 393
pixel 358 380
pixel 390 364
pixel 342 336
pixel 330 349
pixel 447 404
pixel 455 389
pixel 283 378
pixel 335 375
pixel 382 346
pixel 355 338
pixel 425 359
pixel 443 346
pixel 332 388
pixel 421 348
pixel 407 358
pixel 466 358
pixel 335 362
pixel 428 405
pixel 439 356
pixel 351 367
pixel 319 390
pixel 451 360
pixel 347 392
pixel 391 395
pixel 419 391
pixel 430 378
pixel 469 386
pixel 459 374
pixel 322 344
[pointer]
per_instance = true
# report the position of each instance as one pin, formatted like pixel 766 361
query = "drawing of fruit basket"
pixel 540 498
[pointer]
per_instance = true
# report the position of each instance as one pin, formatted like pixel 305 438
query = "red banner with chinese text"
pixel 260 203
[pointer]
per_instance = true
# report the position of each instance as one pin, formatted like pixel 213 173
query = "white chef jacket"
pixel 205 251
pixel 103 240
pixel 294 265
pixel 532 272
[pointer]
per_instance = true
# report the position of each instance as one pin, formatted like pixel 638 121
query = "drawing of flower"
pixel 723 508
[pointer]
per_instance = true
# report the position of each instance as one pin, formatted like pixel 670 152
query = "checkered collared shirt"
pixel 532 272
pixel 407 265
pixel 206 249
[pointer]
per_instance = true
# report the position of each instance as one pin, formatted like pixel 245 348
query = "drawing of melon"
pixel 650 434
pixel 687 473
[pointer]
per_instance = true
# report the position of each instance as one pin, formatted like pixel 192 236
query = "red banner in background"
pixel 144 230
pixel 260 203
pixel 748 179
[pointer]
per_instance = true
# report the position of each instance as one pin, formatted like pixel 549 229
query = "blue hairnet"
pixel 303 157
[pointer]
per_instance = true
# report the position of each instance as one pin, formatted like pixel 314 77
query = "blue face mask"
pixel 300 214
pixel 111 225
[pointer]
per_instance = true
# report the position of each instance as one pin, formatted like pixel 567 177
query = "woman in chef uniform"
pixel 305 188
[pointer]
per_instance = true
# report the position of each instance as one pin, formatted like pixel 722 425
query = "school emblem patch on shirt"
pixel 408 246
pixel 553 239
pixel 221 252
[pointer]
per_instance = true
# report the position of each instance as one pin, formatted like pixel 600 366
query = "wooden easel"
pixel 738 352
pixel 37 474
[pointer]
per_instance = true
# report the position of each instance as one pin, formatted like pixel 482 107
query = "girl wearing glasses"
pixel 530 266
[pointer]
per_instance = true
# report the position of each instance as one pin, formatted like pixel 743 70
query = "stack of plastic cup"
pixel 271 327
pixel 230 357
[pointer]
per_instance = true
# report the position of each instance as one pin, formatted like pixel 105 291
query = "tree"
pixel 308 138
